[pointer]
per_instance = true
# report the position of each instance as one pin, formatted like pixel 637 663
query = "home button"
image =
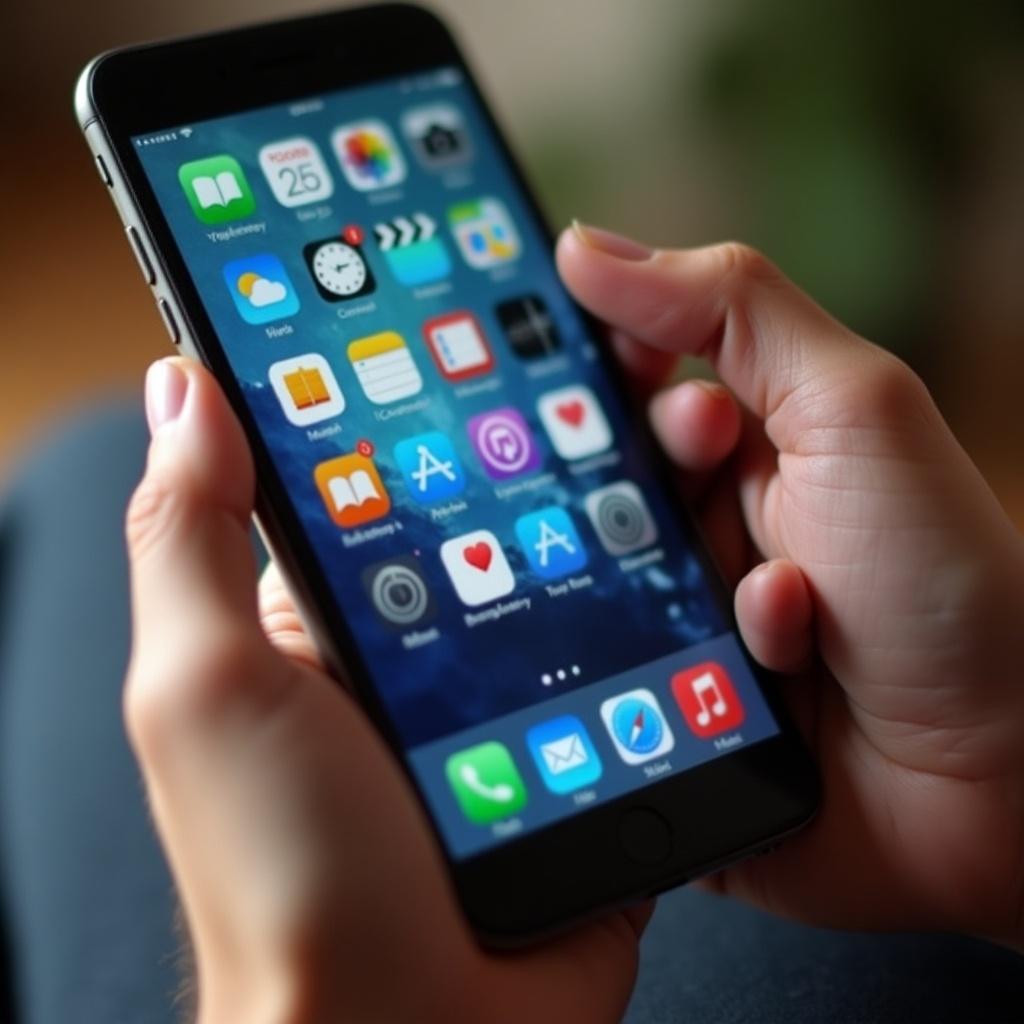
pixel 646 837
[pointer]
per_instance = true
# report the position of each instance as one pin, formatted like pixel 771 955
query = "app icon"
pixel 574 422
pixel 352 490
pixel 457 343
pixel 369 155
pixel 216 189
pixel 486 782
pixel 307 389
pixel 438 135
pixel 485 233
pixel 384 367
pixel 477 567
pixel 637 726
pixel 707 699
pixel 621 518
pixel 565 756
pixel 261 288
pixel 529 327
pixel 412 249
pixel 339 268
pixel 295 171
pixel 430 467
pixel 398 592
pixel 503 443
pixel 550 542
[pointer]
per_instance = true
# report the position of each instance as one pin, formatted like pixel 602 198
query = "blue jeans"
pixel 86 903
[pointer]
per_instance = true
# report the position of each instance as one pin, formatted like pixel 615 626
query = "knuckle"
pixel 742 262
pixel 886 390
pixel 153 510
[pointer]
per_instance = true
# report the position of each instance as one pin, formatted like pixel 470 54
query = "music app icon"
pixel 707 699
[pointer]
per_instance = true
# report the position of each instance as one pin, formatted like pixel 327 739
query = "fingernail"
pixel 709 387
pixel 166 387
pixel 610 243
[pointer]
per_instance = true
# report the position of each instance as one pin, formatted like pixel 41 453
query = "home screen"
pixel 540 633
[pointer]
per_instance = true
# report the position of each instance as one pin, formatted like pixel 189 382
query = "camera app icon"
pixel 399 593
pixel 621 519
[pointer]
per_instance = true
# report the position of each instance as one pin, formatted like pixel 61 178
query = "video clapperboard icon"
pixel 412 249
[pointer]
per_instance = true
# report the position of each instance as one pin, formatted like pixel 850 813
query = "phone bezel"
pixel 575 868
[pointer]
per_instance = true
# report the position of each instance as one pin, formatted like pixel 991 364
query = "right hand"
pixel 889 558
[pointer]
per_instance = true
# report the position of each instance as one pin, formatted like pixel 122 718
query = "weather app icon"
pixel 261 289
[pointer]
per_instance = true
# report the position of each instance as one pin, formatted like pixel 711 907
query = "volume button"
pixel 169 320
pixel 140 255
pixel 103 172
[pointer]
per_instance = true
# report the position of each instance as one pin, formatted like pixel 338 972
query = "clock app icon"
pixel 339 269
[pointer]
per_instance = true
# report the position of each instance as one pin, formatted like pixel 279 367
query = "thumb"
pixel 768 341
pixel 193 572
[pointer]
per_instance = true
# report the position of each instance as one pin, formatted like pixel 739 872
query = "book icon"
pixel 385 367
pixel 216 189
pixel 352 490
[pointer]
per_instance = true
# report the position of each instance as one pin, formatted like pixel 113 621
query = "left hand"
pixel 312 888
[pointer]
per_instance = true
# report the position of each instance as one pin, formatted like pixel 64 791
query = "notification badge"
pixel 707 699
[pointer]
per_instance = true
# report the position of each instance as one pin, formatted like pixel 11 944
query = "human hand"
pixel 889 559
pixel 310 883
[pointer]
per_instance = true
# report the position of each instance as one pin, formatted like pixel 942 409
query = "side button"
pixel 140 256
pixel 645 836
pixel 169 322
pixel 104 173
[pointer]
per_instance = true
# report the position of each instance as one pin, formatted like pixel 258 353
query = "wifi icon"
pixel 185 132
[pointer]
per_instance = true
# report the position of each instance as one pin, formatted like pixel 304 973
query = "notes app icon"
pixel 385 368
pixel 352 490
pixel 707 699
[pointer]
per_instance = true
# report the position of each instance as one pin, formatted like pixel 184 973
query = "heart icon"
pixel 478 555
pixel 571 412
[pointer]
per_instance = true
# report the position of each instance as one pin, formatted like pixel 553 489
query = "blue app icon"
pixel 430 467
pixel 412 249
pixel 261 289
pixel 550 542
pixel 565 756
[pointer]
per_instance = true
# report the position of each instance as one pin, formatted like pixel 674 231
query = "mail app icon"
pixel 564 754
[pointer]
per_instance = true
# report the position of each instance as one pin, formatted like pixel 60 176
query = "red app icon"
pixel 707 699
pixel 458 345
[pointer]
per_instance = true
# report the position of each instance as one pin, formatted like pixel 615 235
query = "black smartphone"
pixel 481 534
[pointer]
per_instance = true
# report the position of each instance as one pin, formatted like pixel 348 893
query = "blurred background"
pixel 874 150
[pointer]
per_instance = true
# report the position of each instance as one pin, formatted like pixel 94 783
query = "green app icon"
pixel 486 782
pixel 216 189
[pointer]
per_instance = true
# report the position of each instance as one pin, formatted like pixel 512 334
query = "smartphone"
pixel 481 534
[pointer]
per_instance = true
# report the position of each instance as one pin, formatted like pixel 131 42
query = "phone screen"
pixel 533 615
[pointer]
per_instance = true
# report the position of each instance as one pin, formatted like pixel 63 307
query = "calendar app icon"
pixel 458 345
pixel 296 171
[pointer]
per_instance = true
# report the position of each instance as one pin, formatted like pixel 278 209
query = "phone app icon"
pixel 352 490
pixel 486 782
pixel 338 266
pixel 637 726
pixel 307 389
pixel 529 327
pixel 261 289
pixel 295 171
pixel 216 189
pixel 458 345
pixel 412 249
pixel 477 567
pixel 621 518
pixel 437 134
pixel 550 542
pixel 368 154
pixel 384 367
pixel 503 443
pixel 430 467
pixel 575 422
pixel 565 755
pixel 398 592
pixel 707 699
pixel 485 233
